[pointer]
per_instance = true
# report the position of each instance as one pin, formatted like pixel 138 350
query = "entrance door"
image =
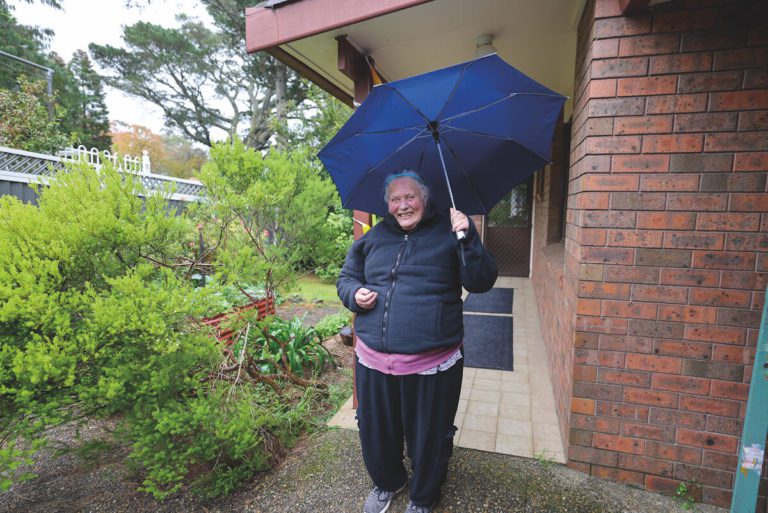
pixel 508 231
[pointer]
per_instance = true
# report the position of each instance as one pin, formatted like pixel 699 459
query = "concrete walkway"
pixel 506 412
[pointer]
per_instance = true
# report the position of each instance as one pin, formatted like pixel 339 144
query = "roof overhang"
pixel 409 37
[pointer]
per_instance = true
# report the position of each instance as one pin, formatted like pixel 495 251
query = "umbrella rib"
pixel 391 130
pixel 416 109
pixel 455 87
pixel 500 138
pixel 464 172
pixel 483 107
pixel 372 169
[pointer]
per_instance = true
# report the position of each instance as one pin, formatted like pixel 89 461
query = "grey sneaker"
pixel 378 500
pixel 413 508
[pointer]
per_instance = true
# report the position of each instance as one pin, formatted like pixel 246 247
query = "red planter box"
pixel 265 307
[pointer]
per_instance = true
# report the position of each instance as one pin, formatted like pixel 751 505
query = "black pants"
pixel 415 408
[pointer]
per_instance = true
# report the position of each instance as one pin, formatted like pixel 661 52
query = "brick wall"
pixel 553 280
pixel 668 224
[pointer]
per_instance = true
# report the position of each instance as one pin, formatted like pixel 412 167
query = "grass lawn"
pixel 311 287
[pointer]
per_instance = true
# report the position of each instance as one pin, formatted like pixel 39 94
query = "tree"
pixel 169 154
pixel 23 41
pixel 24 121
pixel 87 117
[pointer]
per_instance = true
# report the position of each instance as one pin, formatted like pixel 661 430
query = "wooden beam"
pixel 305 71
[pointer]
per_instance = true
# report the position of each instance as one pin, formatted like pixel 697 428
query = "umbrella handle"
pixel 461 235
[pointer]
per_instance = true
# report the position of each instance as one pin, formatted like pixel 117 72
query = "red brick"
pixel 689 277
pixel 615 68
pixel 615 219
pixel 714 370
pixel 584 373
pixel 683 143
pixel 686 384
pixel 622 26
pixel 747 242
pixel 733 141
pixel 677 418
pixel 630 274
pixel 719 460
pixel 621 476
pixel 731 354
pixel 683 348
pixel 629 309
pixel 713 163
pixel 707 476
pixel 659 294
pixel 739 317
pixel 710 81
pixel 726 426
pixel 582 405
pixel 708 405
pixel 647 432
pixel 680 63
pixel 591 236
pixel 650 397
pixel 733 336
pixel 601 88
pixel 618 443
pixel 661 484
pixel 674 182
pixel 685 20
pixel 611 107
pixel 585 340
pixel 721 297
pixel 749 202
pixel 680 313
pixel 653 363
pixel 730 390
pixel 733 182
pixel 723 221
pixel 612 145
pixel 739 100
pixel 589 200
pixel 618 410
pixel 591 455
pixel 720 122
pixel 645 465
pixel 692 240
pixel 640 163
pixel 753 120
pixel 646 86
pixel 600 325
pixel 607 255
pixel 599 182
pixel 604 48
pixel 604 290
pixel 751 161
pixel 741 58
pixel 585 357
pixel 657 329
pixel 722 498
pixel 611 359
pixel 670 104
pixel 724 260
pixel 673 452
pixel 666 220
pixel 634 238
pixel 630 125
pixel 654 44
pixel 597 391
pixel 713 40
pixel 697 202
pixel 624 343
pixel 638 200
pixel 663 257
pixel 588 307
pixel 620 377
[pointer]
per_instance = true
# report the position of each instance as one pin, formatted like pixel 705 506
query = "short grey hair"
pixel 406 173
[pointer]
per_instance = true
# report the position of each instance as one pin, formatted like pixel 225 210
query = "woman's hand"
pixel 459 221
pixel 365 298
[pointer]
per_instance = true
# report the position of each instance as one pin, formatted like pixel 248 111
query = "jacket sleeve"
pixel 478 267
pixel 352 277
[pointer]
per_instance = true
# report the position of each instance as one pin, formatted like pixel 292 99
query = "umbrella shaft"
pixel 445 172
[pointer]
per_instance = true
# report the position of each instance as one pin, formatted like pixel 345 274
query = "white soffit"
pixel 538 37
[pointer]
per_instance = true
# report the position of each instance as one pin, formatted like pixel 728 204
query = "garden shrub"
pixel 330 325
pixel 98 316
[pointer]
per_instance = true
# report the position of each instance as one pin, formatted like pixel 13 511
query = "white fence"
pixel 128 164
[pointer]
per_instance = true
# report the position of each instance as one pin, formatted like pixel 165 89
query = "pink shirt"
pixel 402 364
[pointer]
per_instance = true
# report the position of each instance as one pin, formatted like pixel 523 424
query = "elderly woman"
pixel 404 281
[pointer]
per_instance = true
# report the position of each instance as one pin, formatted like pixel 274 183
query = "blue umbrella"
pixel 472 131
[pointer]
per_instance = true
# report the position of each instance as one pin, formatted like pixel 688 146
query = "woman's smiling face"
pixel 406 202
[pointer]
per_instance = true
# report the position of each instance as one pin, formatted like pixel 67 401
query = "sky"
pixel 101 21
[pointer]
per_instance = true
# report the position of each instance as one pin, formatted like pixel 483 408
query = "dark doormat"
pixel 493 301
pixel 488 342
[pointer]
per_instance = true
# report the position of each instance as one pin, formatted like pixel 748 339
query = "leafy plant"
pixel 685 497
pixel 330 325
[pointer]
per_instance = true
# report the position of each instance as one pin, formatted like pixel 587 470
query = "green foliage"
pixel 24 121
pixel 87 117
pixel 97 317
pixel 330 325
pixel 685 497
pixel 266 214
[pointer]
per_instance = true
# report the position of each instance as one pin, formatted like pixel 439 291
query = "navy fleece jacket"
pixel 418 276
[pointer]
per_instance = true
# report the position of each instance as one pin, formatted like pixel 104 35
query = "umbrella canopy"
pixel 492 123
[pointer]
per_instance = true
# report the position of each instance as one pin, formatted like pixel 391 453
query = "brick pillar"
pixel 669 224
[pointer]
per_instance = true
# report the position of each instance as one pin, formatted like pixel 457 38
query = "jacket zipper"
pixel 390 291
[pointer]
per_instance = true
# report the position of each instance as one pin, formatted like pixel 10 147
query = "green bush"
pixel 97 317
pixel 330 325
